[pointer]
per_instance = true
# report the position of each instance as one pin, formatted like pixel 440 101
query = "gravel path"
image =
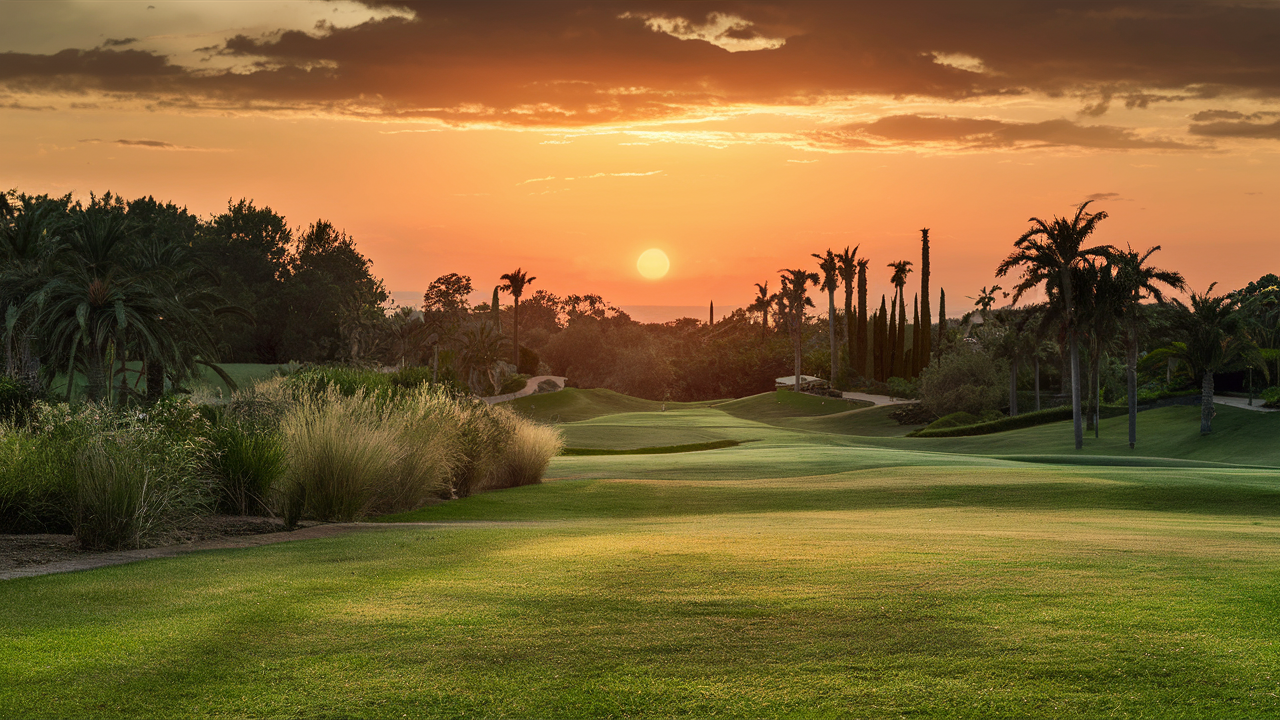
pixel 530 388
pixel 876 399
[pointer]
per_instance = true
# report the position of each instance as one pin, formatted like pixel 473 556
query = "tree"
pixel 848 275
pixel 795 299
pixel 942 320
pixel 762 303
pixel 829 264
pixel 898 335
pixel 1050 253
pixel 923 336
pixel 862 316
pixel 1213 336
pixel 1137 281
pixel 31 237
pixel 515 284
pixel 879 354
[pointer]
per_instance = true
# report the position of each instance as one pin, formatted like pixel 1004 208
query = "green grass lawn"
pixel 812 571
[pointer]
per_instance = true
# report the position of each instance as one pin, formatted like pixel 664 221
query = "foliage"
pixel 967 379
pixel 904 387
pixel 18 398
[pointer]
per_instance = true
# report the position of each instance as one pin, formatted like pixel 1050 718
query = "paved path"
pixel 529 388
pixel 876 399
pixel 1242 403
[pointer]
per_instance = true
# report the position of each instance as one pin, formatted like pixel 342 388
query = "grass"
pixel 692 447
pixel 573 404
pixel 814 572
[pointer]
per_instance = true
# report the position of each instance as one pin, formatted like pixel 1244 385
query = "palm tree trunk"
pixel 1206 403
pixel 1013 388
pixel 95 383
pixel 515 331
pixel 831 324
pixel 1077 428
pixel 849 330
pixel 797 338
pixel 155 380
pixel 1132 377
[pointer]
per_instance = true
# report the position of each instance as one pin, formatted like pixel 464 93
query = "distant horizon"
pixel 639 313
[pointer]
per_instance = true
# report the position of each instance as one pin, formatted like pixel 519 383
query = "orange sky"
pixel 566 138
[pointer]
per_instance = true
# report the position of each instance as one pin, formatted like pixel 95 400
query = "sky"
pixel 566 138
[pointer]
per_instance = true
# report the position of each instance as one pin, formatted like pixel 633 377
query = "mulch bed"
pixel 20 551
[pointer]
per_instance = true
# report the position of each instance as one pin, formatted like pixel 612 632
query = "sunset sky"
pixel 566 138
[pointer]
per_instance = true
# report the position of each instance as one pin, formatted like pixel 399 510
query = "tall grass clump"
pixel 427 436
pixel 483 435
pixel 527 454
pixel 340 451
pixel 250 455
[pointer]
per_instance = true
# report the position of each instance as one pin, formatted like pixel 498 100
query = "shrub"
pixel 427 436
pixel 527 454
pixel 37 482
pixel 967 379
pixel 515 383
pixel 955 419
pixel 339 451
pixel 17 401
pixel 483 434
pixel 249 465
pixel 904 388
pixel 1271 396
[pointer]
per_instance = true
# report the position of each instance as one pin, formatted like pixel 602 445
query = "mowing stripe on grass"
pixel 692 447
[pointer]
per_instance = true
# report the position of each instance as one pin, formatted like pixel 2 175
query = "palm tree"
pixel 848 275
pixel 862 315
pixel 898 334
pixel 762 303
pixel 515 283
pixel 1137 281
pixel 794 299
pixel 829 264
pixel 30 241
pixel 1214 335
pixel 480 348
pixel 1050 253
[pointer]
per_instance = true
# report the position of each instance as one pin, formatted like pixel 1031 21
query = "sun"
pixel 653 264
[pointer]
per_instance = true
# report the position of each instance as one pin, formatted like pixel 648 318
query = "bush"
pixel 249 465
pixel 17 401
pixel 967 379
pixel 483 435
pixel 904 388
pixel 1271 396
pixel 527 454
pixel 955 419
pixel 515 383
pixel 1025 420
pixel 37 482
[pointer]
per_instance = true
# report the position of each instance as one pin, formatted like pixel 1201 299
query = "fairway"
pixel 823 567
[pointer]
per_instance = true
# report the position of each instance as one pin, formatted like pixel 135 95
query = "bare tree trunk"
pixel 1013 388
pixel 1206 403
pixel 155 380
pixel 1132 374
pixel 1077 427
pixel 798 338
pixel 95 385
pixel 831 324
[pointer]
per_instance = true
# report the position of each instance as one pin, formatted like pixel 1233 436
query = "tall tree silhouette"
pixel 923 336
pixel 762 303
pixel 829 264
pixel 1137 281
pixel 862 315
pixel 848 275
pixel 1050 253
pixel 880 354
pixel 795 299
pixel 898 335
pixel 515 284
pixel 942 320
pixel 1213 335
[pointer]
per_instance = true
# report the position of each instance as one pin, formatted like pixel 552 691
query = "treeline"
pixel 121 291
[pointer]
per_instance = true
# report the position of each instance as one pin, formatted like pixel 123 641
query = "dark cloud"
pixel 1238 129
pixel 15 105
pixel 1091 197
pixel 120 42
pixel 979 133
pixel 578 62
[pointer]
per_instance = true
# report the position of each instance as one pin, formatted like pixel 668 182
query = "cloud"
pixel 594 176
pixel 985 133
pixel 581 63
pixel 1238 129
pixel 1103 196
pixel 121 42
pixel 147 144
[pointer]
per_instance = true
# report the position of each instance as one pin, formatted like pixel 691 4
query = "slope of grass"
pixel 573 404
pixel 867 422
pixel 774 406
pixel 811 573
pixel 692 447
pixel 1242 437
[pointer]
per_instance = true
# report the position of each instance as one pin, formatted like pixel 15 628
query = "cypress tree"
pixel 915 339
pixel 922 356
pixel 861 363
pixel 942 320
pixel 891 357
pixel 901 367
pixel 493 310
pixel 880 352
